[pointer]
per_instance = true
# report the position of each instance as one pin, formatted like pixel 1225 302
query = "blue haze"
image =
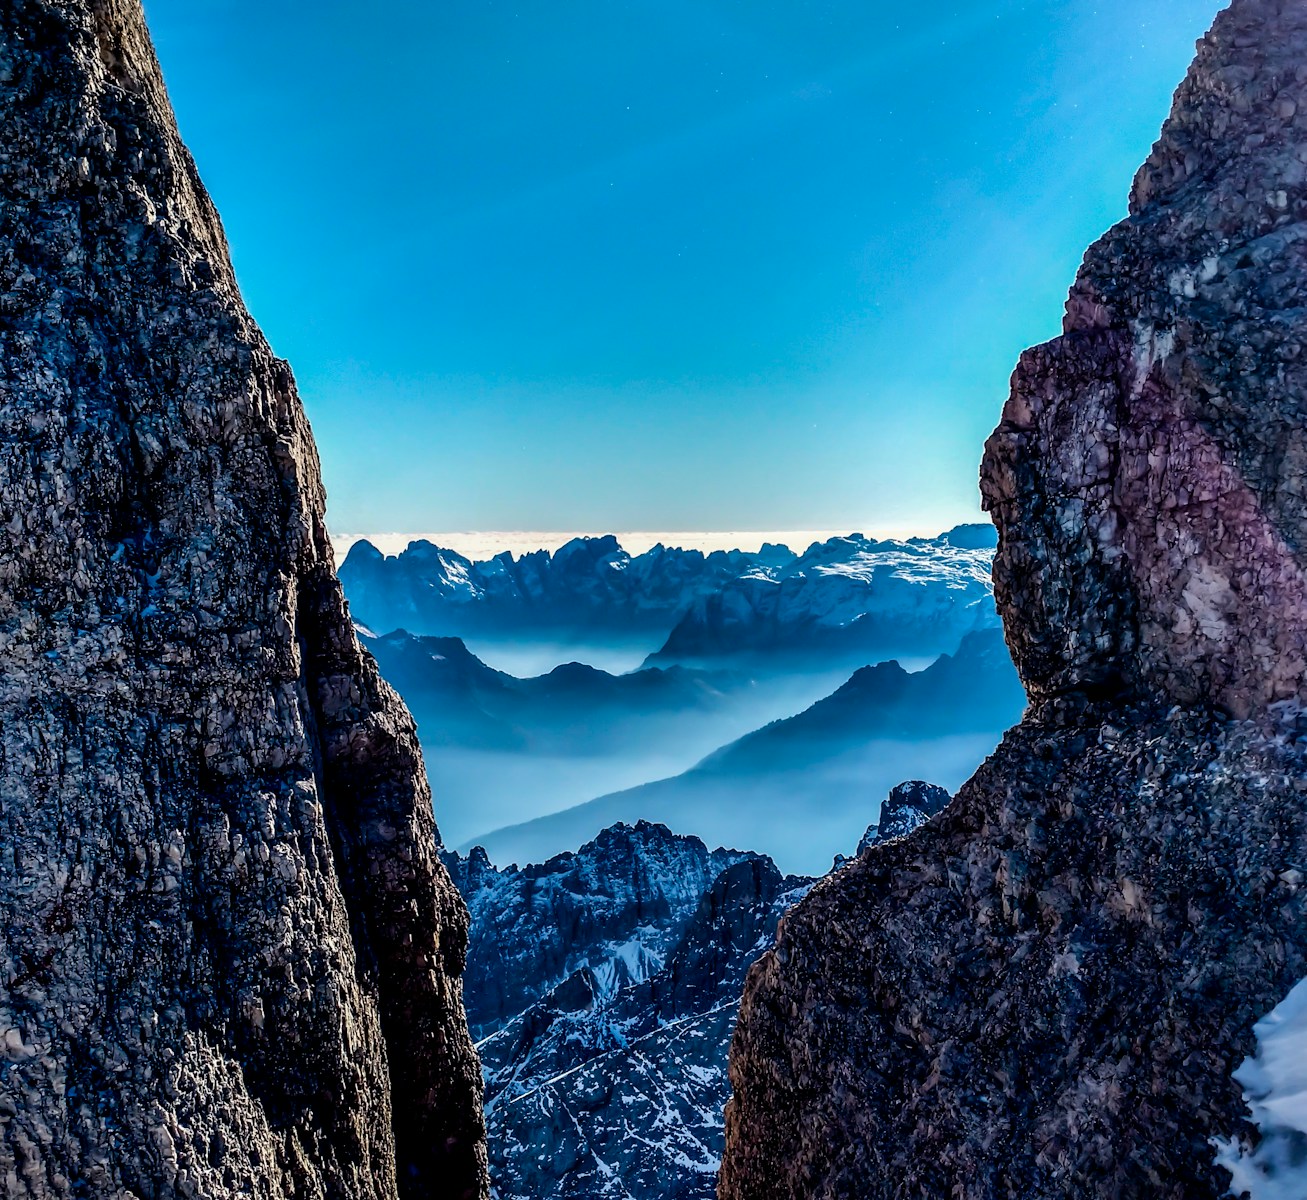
pixel 735 264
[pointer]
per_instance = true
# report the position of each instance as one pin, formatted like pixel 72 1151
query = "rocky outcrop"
pixel 908 806
pixel 1149 476
pixel 1044 990
pixel 229 954
pixel 604 985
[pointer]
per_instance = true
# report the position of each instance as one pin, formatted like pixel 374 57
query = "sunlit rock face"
pixel 229 954
pixel 1149 476
pixel 1044 991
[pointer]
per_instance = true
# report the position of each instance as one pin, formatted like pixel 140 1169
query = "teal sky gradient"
pixel 603 264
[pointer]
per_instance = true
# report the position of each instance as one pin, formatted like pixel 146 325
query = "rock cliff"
pixel 1043 992
pixel 604 985
pixel 229 954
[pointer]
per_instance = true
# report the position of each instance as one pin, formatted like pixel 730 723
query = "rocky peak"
pixel 727 925
pixel 633 889
pixel 908 806
pixel 230 954
pixel 363 552
pixel 602 550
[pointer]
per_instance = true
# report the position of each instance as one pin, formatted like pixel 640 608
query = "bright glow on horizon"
pixel 480 546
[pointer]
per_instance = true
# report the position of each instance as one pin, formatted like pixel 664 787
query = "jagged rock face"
pixel 610 978
pixel 1149 476
pixel 229 953
pixel 632 890
pixel 1043 991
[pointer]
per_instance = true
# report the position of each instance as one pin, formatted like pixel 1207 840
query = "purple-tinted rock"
pixel 1043 991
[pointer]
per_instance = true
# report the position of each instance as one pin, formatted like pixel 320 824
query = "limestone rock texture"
pixel 1043 990
pixel 229 953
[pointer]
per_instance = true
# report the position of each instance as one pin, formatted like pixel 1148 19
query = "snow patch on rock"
pixel 1275 1089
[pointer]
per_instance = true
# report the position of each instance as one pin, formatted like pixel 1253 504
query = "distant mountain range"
pixel 427 589
pixel 501 750
pixel 573 709
pixel 845 601
pixel 602 987
pixel 799 788
pixel 851 600
pixel 516 764
pixel 756 719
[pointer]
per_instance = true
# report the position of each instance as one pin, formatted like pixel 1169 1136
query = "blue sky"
pixel 605 264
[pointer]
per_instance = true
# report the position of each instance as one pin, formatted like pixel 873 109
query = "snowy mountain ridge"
pixel 428 589
pixel 844 595
pixel 850 595
pixel 603 986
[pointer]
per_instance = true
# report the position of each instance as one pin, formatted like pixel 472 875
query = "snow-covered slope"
pixel 1275 1089
pixel 602 986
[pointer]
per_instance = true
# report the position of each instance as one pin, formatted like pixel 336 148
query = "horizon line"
pixel 482 545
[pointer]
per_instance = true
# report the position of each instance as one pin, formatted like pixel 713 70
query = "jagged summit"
pixel 909 805
pixel 229 953
pixel 637 880
pixel 853 598
pixel 1045 989
pixel 588 582
pixel 845 599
